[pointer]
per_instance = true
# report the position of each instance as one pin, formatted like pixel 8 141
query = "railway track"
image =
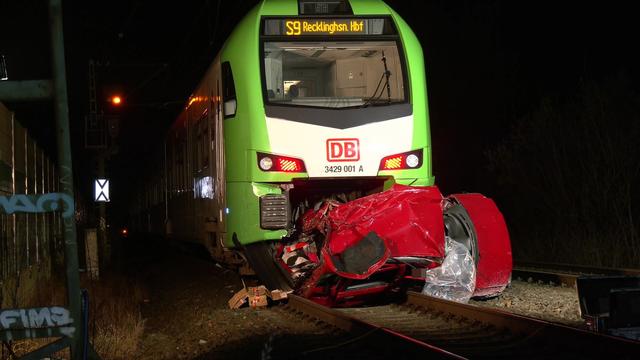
pixel 443 329
pixel 563 274
pixel 337 336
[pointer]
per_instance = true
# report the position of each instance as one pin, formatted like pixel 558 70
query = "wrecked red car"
pixel 406 237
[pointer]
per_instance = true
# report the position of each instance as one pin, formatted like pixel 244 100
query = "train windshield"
pixel 333 74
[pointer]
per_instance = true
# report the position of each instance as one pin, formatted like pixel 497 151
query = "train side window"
pixel 228 91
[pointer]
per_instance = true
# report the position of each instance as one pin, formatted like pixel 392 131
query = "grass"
pixel 116 325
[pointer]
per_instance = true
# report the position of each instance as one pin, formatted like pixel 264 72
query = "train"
pixel 310 103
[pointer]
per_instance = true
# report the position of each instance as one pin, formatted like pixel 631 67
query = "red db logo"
pixel 343 149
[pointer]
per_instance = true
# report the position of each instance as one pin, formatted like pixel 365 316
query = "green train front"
pixel 325 99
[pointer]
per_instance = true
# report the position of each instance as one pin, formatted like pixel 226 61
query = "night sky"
pixel 488 64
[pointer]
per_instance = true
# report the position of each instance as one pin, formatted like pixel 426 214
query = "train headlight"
pixel 412 160
pixel 402 161
pixel 280 163
pixel 266 163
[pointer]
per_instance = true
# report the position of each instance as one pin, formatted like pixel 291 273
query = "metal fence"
pixel 26 239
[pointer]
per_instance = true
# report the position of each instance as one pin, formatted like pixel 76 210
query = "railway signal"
pixel 101 193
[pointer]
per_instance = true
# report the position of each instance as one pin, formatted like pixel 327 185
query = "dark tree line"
pixel 567 177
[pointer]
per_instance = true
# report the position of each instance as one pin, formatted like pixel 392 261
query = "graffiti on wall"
pixel 37 203
pixel 24 320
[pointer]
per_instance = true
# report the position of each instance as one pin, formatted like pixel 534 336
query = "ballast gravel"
pixel 538 300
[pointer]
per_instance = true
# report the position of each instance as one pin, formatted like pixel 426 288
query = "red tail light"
pixel 269 162
pixel 408 160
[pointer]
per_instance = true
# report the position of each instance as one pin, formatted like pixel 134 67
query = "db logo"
pixel 343 149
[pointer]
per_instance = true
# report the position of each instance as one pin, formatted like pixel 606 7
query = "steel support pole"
pixel 61 110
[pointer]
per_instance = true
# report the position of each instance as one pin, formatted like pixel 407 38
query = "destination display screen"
pixel 328 27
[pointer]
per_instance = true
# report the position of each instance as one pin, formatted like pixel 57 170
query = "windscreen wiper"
pixel 386 74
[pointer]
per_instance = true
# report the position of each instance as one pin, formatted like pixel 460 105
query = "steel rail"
pixel 580 269
pixel 557 338
pixel 566 274
pixel 446 329
pixel 375 335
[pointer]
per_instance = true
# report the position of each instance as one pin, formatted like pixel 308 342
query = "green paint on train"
pixel 298 104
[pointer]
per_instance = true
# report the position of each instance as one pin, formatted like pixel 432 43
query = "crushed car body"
pixel 350 253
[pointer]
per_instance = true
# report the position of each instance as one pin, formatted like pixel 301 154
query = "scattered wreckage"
pixel 349 253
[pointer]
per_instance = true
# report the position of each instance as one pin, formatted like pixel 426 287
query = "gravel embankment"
pixel 547 302
pixel 187 317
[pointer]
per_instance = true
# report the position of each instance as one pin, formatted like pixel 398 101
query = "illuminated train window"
pixel 333 74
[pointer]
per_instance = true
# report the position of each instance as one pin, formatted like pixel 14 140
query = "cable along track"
pixel 452 330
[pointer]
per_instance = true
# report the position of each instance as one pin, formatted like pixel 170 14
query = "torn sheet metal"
pixel 317 218
pixel 361 259
pixel 383 243
pixel 365 236
pixel 455 278
pixel 300 257
pixel 408 219
pixel 494 246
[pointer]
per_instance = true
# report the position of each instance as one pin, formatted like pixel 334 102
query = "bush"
pixel 568 178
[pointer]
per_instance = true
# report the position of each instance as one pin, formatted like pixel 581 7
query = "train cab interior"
pixel 333 74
